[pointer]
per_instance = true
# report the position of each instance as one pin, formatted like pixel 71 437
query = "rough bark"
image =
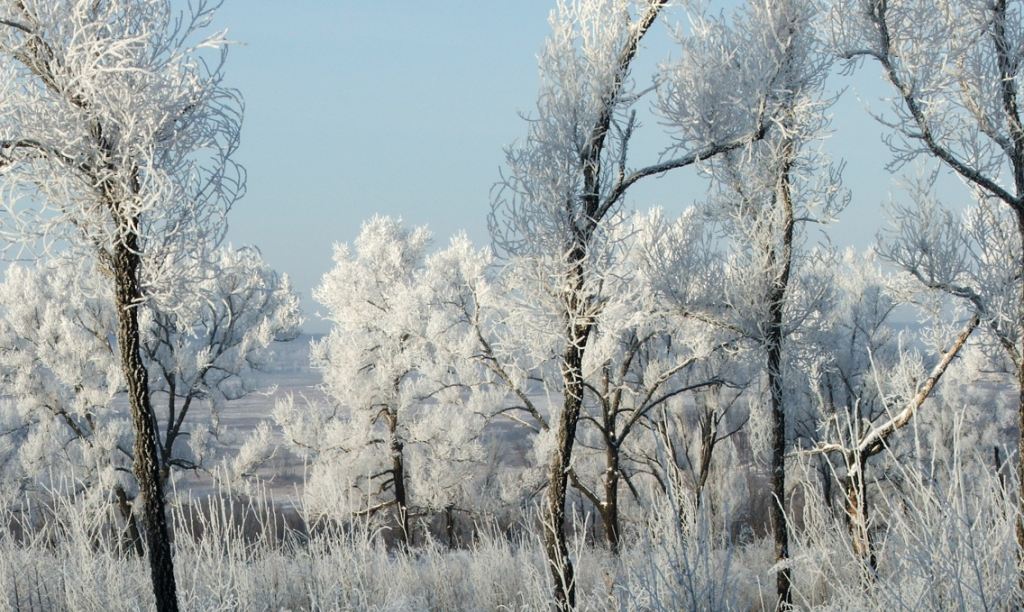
pixel 825 471
pixel 131 537
pixel 126 263
pixel 610 505
pixel 449 527
pixel 709 438
pixel 780 527
pixel 1020 416
pixel 554 534
pixel 1008 82
pixel 398 482
pixel 781 256
pixel 857 515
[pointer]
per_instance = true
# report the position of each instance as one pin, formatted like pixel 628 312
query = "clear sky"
pixel 403 108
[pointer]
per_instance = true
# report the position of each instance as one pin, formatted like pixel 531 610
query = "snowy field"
pixel 289 374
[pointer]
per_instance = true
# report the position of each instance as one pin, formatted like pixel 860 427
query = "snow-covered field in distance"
pixel 288 374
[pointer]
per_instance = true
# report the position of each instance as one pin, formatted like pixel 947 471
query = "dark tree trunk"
pixel 401 499
pixel 572 377
pixel 578 329
pixel 709 438
pixel 126 263
pixel 825 471
pixel 1008 81
pixel 998 463
pixel 555 540
pixel 857 515
pixel 1020 415
pixel 778 480
pixel 131 538
pixel 610 507
pixel 781 256
pixel 449 526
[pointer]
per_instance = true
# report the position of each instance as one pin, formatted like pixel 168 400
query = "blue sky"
pixel 403 108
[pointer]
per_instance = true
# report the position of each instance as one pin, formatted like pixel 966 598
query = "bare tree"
pixel 116 136
pixel 954 69
pixel 761 196
pixel 552 212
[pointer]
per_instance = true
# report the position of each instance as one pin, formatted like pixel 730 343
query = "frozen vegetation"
pixel 947 545
pixel 608 406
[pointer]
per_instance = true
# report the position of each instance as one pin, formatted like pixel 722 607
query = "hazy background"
pixel 404 108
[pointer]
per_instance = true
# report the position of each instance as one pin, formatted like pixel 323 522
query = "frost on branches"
pixel 554 208
pixel 400 432
pixel 954 74
pixel 69 428
pixel 115 119
pixel 116 137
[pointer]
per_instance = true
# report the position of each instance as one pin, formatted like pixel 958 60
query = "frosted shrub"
pixel 943 539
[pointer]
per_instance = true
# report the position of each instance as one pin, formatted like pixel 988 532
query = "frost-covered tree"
pixel 765 193
pixel 640 361
pixel 761 194
pixel 116 137
pixel 213 346
pixel 554 208
pixel 632 388
pixel 725 284
pixel 954 71
pixel 60 371
pixel 868 383
pixel 397 433
pixel 59 365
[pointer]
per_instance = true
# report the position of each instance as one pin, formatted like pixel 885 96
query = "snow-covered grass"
pixel 943 532
pixel 944 542
pixel 229 559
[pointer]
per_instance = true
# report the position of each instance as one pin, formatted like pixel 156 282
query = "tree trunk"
pixel 778 502
pixel 708 438
pixel 576 302
pixel 610 507
pixel 449 527
pixel 578 329
pixel 857 515
pixel 774 337
pixel 401 500
pixel 126 267
pixel 131 537
pixel 825 471
pixel 555 540
pixel 1020 419
pixel 998 463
